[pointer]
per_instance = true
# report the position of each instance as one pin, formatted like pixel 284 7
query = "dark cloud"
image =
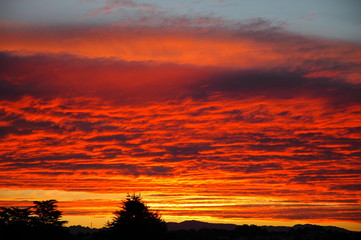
pixel 47 76
pixel 336 201
pixel 9 91
pixel 112 169
pixel 36 125
pixel 347 187
pixel 52 173
pixel 187 150
pixel 278 83
pixel 271 147
pixel 17 124
pixel 43 160
pixel 86 126
pixel 59 75
pixel 111 153
pixel 159 170
pixel 107 138
pixel 136 170
pixel 252 168
pixel 137 152
pixel 205 110
pixel 12 130
pixel 325 175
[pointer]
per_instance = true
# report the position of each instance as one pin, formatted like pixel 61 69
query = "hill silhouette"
pixel 197 225
pixel 198 230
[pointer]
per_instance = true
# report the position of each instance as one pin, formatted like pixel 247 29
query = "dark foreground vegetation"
pixel 41 221
pixel 135 221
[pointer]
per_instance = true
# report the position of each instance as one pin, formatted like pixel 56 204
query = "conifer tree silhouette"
pixel 135 220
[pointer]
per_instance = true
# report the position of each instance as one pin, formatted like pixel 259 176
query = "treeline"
pixel 135 221
pixel 43 221
pixel 40 221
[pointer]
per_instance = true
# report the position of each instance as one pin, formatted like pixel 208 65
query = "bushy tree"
pixel 15 216
pixel 47 213
pixel 43 222
pixel 134 219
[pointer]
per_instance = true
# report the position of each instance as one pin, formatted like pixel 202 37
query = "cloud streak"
pixel 111 6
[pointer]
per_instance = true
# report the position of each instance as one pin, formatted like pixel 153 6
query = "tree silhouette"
pixel 135 220
pixel 47 213
pixel 47 220
pixel 15 216
pixel 41 224
pixel 15 222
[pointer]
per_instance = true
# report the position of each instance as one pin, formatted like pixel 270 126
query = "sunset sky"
pixel 227 111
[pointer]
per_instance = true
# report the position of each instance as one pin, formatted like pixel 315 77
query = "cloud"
pixel 113 80
pixel 254 44
pixel 263 167
pixel 280 84
pixel 105 78
pixel 5 131
pixel 112 6
pixel 8 91
pixel 107 138
pixel 190 149
pixel 349 187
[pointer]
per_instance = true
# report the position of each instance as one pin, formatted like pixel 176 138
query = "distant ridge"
pixel 76 229
pixel 197 225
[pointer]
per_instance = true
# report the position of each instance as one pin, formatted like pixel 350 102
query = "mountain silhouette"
pixel 197 225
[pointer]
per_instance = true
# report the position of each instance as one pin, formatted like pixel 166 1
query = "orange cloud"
pixel 212 47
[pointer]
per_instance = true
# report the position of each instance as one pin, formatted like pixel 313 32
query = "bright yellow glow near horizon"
pixel 91 218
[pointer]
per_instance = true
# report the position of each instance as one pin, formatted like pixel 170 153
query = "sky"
pixel 244 112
